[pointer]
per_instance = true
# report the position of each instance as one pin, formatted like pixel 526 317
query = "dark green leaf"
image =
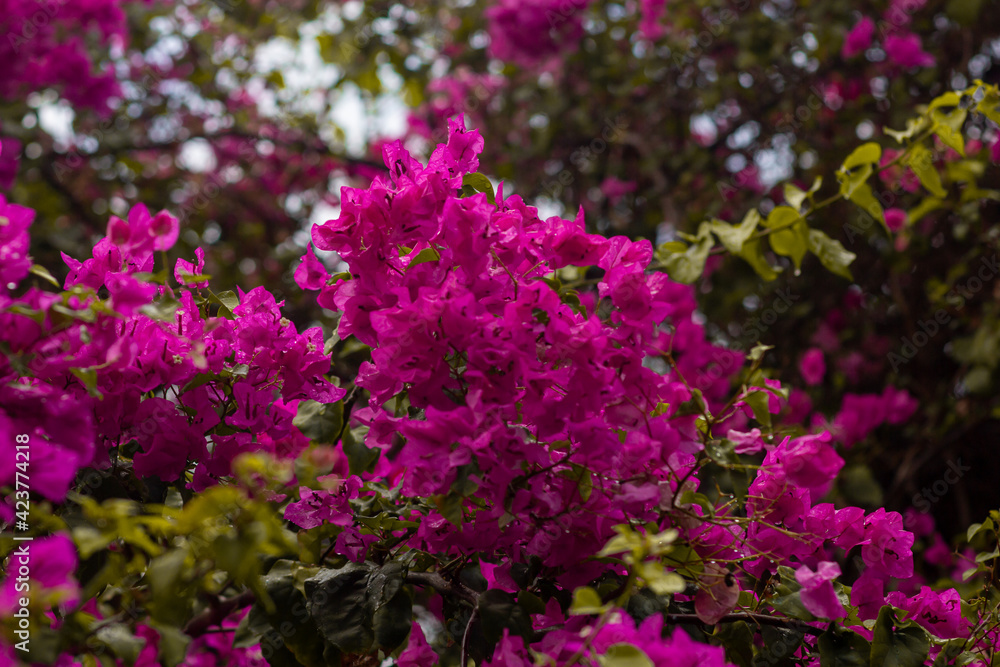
pixel 320 422
pixel 121 641
pixel 737 640
pixel 498 611
pixel 338 604
pixel 839 647
pixel 480 183
pixel 360 457
pixel 173 644
pixel 897 647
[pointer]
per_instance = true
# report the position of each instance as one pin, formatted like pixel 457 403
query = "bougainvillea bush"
pixel 520 473
pixel 462 431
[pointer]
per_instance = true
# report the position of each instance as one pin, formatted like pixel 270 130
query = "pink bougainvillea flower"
pixel 895 218
pixel 939 612
pixel 14 259
pixel 651 25
pixel 812 366
pixel 717 594
pixel 311 274
pixel 887 548
pixel 418 653
pixel 746 443
pixel 905 50
pixel 51 563
pixel 184 269
pixel 614 189
pixel 527 32
pixel 817 591
pixel 810 462
pixel 859 38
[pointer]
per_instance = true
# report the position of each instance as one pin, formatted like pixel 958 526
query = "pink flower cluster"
pixel 515 384
pixel 45 46
pixel 187 387
pixel 902 48
pixel 537 412
pixel 528 32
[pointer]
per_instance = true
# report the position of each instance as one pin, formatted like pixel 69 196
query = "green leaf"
pixel 839 647
pixel 303 640
pixel 758 351
pixel 737 640
pixel 687 267
pixel 868 153
pixel 953 653
pixel 754 256
pixel 586 601
pixel 583 477
pixel 359 457
pixel 733 237
pixel 338 604
pixel 499 611
pixel 424 256
pixel 792 242
pixel 989 106
pixel 977 528
pixel 722 452
pixel 794 196
pixel 948 128
pixel 949 99
pixel 831 253
pixel 227 300
pixel 914 126
pixel 121 641
pixel 164 573
pixel 173 645
pixel 392 621
pixel 780 645
pixel 480 183
pixel 43 273
pixel 626 540
pixel 921 161
pixel 658 579
pixel 320 422
pixel 624 655
pixel 450 506
pixel 855 189
pixel 700 499
pixel 788 599
pixel 899 647
pixel 758 402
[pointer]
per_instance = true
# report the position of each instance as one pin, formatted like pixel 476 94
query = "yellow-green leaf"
pixel 791 237
pixel 754 256
pixel 43 273
pixel 733 237
pixel 921 161
pixel 586 601
pixel 868 153
pixel 831 253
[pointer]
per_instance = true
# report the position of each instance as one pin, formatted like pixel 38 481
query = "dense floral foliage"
pixel 476 432
pixel 515 412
